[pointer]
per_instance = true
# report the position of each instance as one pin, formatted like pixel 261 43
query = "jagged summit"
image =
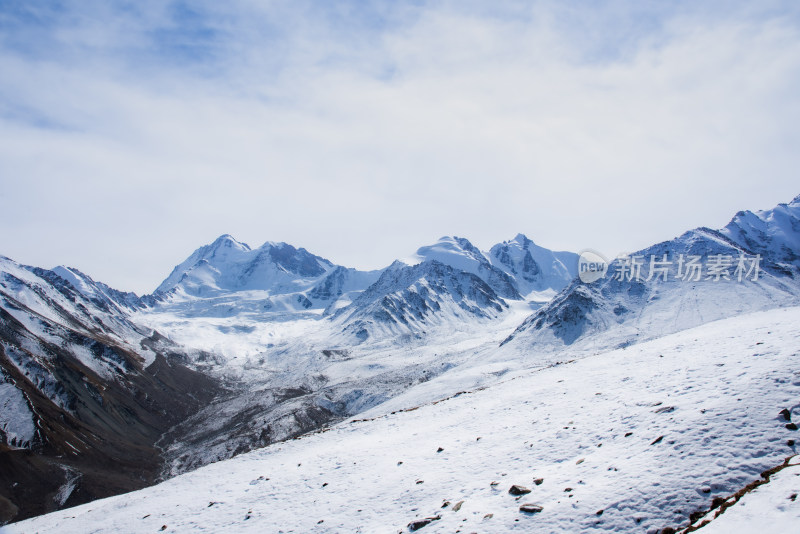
pixel 98 292
pixel 228 277
pixel 407 299
pixel 229 265
pixel 451 250
pixel 774 233
pixel 535 268
pixel 460 254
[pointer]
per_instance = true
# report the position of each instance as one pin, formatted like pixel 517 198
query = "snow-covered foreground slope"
pixel 773 507
pixel 633 440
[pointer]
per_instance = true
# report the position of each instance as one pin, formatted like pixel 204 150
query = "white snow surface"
pixel 646 434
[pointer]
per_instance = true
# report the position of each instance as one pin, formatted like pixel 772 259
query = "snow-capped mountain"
pixel 628 308
pixel 323 351
pixel 228 265
pixel 227 277
pixel 98 292
pixel 775 233
pixel 85 393
pixel 534 268
pixel 452 281
pixel 408 299
pixel 462 255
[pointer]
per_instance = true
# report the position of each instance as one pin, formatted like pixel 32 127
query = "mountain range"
pixel 105 391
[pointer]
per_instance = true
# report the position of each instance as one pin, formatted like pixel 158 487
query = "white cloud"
pixel 362 136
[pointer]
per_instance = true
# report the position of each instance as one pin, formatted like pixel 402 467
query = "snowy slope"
pixel 771 507
pixel 98 292
pixel 31 294
pixel 635 439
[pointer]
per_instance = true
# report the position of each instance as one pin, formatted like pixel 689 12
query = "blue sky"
pixel 131 133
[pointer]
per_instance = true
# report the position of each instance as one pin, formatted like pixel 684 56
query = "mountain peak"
pixel 227 240
pixel 522 240
pixel 449 246
pixel 230 265
pixel 535 268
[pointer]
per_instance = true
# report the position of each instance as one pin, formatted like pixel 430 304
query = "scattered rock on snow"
pixel 457 506
pixel 516 489
pixel 419 523
pixel 787 415
pixel 657 440
pixel 791 426
pixel 530 508
pixel 538 481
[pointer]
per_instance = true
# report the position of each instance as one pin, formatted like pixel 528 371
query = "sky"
pixel 132 133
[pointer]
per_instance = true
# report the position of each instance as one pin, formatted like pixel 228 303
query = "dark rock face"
pixel 103 441
pixel 97 408
pixel 298 261
pixel 330 287
pixel 527 269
